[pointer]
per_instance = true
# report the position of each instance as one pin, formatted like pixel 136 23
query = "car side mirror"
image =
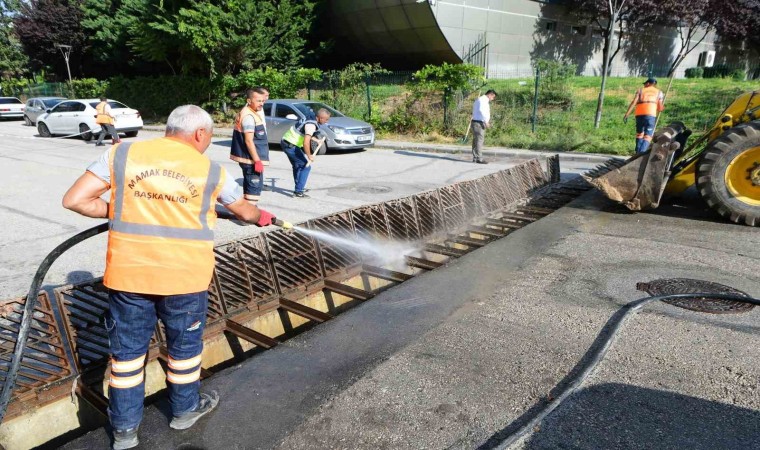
pixel 291 117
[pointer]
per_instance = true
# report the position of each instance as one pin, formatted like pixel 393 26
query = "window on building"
pixel 578 30
pixel 598 33
pixel 551 26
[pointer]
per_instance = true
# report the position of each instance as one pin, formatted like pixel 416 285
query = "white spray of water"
pixel 382 253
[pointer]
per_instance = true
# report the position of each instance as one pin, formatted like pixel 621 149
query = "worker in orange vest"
pixel 648 101
pixel 160 260
pixel 105 119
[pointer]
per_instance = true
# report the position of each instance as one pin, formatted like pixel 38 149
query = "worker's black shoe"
pixel 300 195
pixel 481 161
pixel 205 405
pixel 100 145
pixel 124 439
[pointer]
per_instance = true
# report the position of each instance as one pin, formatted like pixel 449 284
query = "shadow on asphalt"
pixel 622 416
pixel 688 206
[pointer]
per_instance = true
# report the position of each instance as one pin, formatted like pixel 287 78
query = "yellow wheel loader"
pixel 724 164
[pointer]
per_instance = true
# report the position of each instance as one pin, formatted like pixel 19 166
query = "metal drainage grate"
pixel 667 286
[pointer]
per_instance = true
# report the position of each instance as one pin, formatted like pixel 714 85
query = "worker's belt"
pixel 479 121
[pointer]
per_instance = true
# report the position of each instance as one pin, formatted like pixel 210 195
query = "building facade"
pixel 504 36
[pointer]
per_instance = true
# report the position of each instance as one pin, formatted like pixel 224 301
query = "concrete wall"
pixel 520 31
pixel 407 34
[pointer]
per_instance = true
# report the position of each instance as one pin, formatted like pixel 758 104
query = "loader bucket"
pixel 640 182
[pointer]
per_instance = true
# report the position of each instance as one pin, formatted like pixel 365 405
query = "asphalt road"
pixel 459 356
pixel 36 172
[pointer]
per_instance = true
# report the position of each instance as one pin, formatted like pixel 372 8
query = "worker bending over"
pixel 648 102
pixel 250 147
pixel 160 260
pixel 298 146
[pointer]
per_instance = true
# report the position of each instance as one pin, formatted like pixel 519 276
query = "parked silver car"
pixel 342 132
pixel 11 108
pixel 37 106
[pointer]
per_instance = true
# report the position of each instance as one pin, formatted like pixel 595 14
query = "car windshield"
pixel 50 102
pixel 114 105
pixel 9 101
pixel 309 109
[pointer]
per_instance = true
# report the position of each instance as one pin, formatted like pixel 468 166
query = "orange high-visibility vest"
pixel 647 104
pixel 102 117
pixel 162 217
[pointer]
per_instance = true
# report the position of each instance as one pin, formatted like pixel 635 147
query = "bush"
pixel 738 74
pixel 157 96
pixel 695 72
pixel 86 88
pixel 554 84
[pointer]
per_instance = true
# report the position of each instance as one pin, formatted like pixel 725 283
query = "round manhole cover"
pixel 372 189
pixel 702 304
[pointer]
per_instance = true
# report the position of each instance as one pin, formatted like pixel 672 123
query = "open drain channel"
pixel 267 288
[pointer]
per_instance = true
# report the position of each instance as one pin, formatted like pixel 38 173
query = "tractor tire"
pixel 728 174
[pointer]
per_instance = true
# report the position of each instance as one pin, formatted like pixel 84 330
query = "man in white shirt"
pixel 481 119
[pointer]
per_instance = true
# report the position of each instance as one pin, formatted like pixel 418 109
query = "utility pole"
pixel 66 51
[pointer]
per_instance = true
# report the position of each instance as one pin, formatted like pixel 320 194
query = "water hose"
pixel 594 358
pixel 28 313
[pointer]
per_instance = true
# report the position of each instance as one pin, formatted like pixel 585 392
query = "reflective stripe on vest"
pixel 647 103
pixel 295 136
pixel 102 117
pixel 161 239
pixel 204 234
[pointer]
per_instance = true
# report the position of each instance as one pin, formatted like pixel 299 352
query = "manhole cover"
pixel 373 189
pixel 702 304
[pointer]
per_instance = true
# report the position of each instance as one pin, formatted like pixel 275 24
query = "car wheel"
pixel 323 149
pixel 130 134
pixel 27 121
pixel 84 132
pixel 43 130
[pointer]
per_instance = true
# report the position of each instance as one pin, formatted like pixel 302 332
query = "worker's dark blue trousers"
pixel 298 160
pixel 644 132
pixel 253 182
pixel 131 322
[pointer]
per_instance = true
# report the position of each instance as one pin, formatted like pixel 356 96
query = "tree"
pixel 13 61
pixel 201 36
pixel 41 24
pixel 609 16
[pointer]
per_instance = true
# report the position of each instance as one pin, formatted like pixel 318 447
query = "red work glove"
pixel 265 218
pixel 258 166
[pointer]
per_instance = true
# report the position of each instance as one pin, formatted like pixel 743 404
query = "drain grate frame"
pixel 253 276
pixel 705 304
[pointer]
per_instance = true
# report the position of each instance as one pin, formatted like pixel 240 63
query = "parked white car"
pixel 11 108
pixel 73 117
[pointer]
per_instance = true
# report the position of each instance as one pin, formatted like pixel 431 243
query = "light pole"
pixel 66 51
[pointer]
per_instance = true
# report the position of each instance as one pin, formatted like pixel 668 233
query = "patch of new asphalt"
pixel 457 357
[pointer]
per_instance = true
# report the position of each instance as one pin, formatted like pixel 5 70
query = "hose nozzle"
pixel 283 224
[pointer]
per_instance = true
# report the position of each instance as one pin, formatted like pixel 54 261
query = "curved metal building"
pixel 397 33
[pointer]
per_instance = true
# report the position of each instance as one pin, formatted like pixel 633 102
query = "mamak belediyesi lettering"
pixel 185 180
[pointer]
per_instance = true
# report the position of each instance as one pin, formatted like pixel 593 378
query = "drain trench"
pixel 283 272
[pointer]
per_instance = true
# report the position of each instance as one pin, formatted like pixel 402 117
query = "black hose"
pixel 596 358
pixel 28 314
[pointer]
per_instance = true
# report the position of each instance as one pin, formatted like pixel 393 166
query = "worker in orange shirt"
pixel 648 101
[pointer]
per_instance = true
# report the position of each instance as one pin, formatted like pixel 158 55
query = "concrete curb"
pixel 450 149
